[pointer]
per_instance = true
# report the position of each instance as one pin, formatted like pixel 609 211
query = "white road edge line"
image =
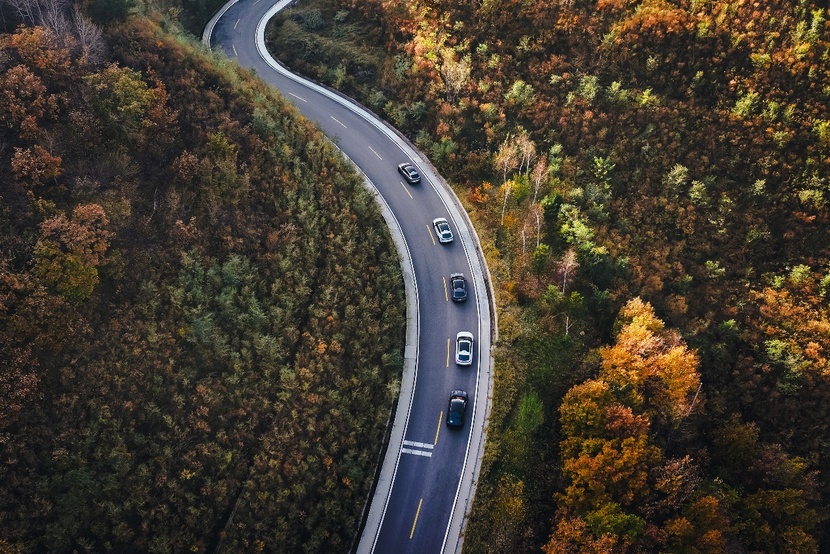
pixel 488 296
pixel 409 379
pixel 263 52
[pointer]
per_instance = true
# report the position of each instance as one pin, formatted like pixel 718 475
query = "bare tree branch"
pixel 455 73
pixel 526 150
pixel 567 266
pixel 506 160
pixel 54 17
pixel 27 10
pixel 539 175
pixel 90 38
pixel 39 12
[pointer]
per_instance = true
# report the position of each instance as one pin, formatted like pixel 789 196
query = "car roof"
pixel 457 275
pixel 459 392
pixel 464 335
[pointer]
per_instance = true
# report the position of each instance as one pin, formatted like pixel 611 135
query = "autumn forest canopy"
pixel 194 335
pixel 194 339
pixel 650 180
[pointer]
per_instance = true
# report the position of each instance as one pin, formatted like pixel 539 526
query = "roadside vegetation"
pixel 199 343
pixel 649 180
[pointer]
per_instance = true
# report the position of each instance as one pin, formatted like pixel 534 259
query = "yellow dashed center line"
pixel 430 235
pixel 446 296
pixel 414 523
pixel 440 420
pixel 406 189
pixel 448 352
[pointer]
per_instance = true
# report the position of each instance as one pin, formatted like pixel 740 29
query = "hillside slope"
pixel 199 340
pixel 667 159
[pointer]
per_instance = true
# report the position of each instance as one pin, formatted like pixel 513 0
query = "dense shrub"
pixel 673 151
pixel 198 346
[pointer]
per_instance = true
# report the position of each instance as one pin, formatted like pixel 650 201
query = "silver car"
pixel 442 229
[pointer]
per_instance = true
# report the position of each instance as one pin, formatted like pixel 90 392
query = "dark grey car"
pixel 457 409
pixel 458 285
pixel 409 173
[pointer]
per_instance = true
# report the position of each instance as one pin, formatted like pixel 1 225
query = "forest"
pixel 198 351
pixel 649 179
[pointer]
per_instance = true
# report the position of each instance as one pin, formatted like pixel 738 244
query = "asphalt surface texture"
pixel 429 472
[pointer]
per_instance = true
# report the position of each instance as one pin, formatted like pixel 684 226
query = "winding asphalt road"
pixel 428 475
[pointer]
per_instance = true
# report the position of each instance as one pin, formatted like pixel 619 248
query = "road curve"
pixel 428 476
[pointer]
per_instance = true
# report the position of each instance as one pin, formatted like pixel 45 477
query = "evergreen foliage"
pixel 686 154
pixel 199 343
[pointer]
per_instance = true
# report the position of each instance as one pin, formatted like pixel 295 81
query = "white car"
pixel 464 348
pixel 442 229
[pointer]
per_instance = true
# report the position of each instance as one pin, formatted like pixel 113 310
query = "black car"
pixel 457 409
pixel 458 285
pixel 409 173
